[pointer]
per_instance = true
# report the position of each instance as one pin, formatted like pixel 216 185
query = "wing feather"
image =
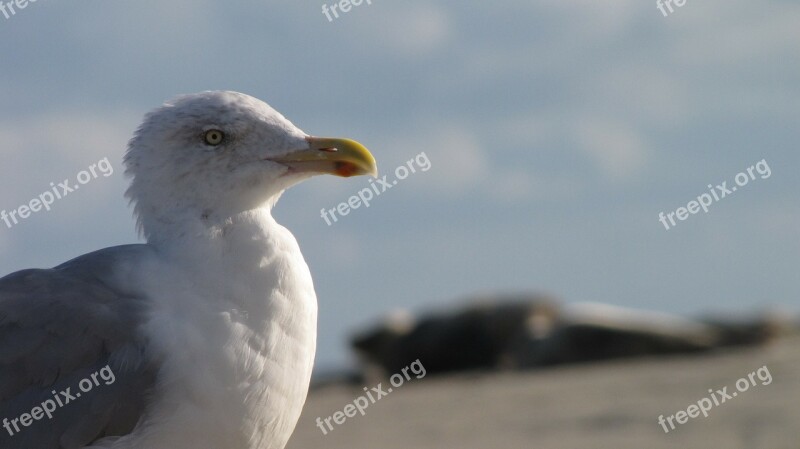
pixel 63 325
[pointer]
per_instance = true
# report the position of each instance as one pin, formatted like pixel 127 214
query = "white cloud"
pixel 411 29
pixel 458 162
pixel 597 20
pixel 52 147
pixel 644 93
pixel 44 145
pixel 618 150
pixel 533 129
pixel 741 34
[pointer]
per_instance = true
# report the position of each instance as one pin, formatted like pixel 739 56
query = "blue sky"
pixel 556 131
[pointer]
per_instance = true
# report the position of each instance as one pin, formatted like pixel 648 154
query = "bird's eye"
pixel 214 137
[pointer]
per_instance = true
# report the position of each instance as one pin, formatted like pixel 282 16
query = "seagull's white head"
pixel 217 154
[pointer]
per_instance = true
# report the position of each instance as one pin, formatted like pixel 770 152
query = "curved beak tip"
pixel 348 157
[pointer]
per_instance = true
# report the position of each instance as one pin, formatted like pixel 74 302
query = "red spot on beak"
pixel 345 169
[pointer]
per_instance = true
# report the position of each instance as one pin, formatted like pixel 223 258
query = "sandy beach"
pixel 611 405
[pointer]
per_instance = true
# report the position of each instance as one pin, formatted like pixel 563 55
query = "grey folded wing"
pixel 72 354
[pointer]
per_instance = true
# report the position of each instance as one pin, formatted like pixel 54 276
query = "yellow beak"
pixel 340 157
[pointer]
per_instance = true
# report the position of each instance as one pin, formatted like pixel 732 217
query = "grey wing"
pixel 58 328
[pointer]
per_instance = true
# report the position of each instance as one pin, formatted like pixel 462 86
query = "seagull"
pixel 204 336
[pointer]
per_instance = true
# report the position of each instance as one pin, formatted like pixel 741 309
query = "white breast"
pixel 234 326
